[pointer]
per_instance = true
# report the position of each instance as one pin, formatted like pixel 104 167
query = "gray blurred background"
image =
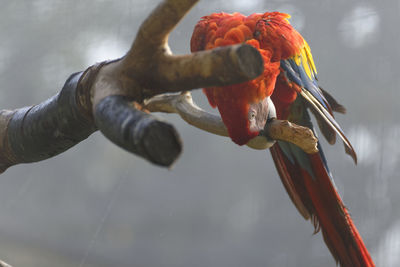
pixel 221 204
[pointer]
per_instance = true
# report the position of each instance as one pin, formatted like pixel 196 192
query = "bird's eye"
pixel 252 115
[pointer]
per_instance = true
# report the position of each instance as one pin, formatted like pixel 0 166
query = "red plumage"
pixel 289 77
pixel 232 101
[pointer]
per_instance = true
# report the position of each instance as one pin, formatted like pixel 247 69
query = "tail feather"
pixel 336 106
pixel 316 106
pixel 319 102
pixel 316 194
pixel 292 182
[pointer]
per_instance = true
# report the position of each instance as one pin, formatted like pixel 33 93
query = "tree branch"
pixel 88 99
pixel 4 264
pixel 184 105
pixel 101 98
pixel 39 132
pixel 137 132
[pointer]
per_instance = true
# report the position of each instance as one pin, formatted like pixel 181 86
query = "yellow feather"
pixel 305 59
pixel 306 64
pixel 309 57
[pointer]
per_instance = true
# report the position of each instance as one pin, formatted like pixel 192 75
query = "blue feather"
pixel 297 74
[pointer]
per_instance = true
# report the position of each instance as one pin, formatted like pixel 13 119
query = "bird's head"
pixel 246 121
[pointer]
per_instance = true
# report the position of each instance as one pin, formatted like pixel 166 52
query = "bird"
pixel 287 89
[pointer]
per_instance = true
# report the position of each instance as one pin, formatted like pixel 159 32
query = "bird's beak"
pixel 260 113
pixel 265 112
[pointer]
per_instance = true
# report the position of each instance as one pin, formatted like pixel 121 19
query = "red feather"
pixel 318 198
pixel 222 29
pixel 290 84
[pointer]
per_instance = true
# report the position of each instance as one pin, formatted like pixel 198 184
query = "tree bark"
pixel 103 96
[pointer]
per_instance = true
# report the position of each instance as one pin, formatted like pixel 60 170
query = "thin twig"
pixel 184 105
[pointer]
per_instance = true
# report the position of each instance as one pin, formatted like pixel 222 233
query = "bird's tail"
pixel 310 186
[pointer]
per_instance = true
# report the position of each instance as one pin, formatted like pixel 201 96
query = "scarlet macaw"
pixel 289 80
